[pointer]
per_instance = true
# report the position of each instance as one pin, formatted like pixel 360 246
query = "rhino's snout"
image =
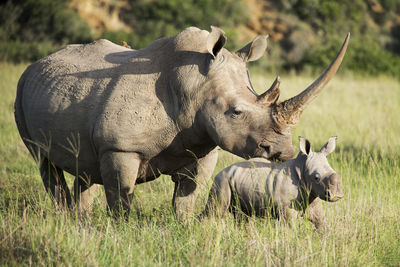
pixel 270 153
pixel 287 154
pixel 335 189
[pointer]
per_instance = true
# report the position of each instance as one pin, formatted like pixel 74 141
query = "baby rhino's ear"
pixel 330 146
pixel 305 145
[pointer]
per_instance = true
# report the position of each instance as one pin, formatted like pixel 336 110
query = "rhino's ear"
pixel 253 50
pixel 330 146
pixel 305 145
pixel 215 41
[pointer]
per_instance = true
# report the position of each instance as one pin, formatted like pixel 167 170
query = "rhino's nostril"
pixel 334 179
pixel 266 148
pixel 336 193
pixel 336 197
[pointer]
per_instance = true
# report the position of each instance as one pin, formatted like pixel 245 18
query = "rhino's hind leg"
pixel 119 172
pixel 220 198
pixel 84 193
pixel 54 183
pixel 189 182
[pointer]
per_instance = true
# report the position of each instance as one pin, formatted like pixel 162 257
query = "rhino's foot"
pixel 54 183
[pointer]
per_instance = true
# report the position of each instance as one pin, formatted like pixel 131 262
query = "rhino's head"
pixel 237 118
pixel 319 176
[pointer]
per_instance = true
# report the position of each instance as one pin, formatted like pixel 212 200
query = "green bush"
pixel 43 20
pixel 18 51
pixel 154 19
pixel 31 29
pixel 372 58
pixel 364 55
pixel 372 47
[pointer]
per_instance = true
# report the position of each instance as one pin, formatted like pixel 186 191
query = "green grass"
pixel 363 228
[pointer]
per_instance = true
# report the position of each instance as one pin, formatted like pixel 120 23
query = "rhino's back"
pixel 65 95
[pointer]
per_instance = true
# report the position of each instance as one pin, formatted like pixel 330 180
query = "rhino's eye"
pixel 237 112
pixel 317 178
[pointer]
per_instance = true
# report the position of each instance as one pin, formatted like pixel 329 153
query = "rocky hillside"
pixel 264 16
pixel 101 15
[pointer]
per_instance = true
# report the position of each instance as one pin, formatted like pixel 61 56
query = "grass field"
pixel 363 228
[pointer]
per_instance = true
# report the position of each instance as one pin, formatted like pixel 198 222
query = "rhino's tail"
pixel 19 114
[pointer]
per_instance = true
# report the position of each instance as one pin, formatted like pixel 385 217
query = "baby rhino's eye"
pixel 317 177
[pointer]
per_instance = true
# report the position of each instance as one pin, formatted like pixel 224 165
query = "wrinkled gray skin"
pixel 264 188
pixel 120 117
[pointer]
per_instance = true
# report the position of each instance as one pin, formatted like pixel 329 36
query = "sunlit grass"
pixel 363 228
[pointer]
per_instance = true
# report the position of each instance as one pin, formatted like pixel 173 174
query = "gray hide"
pixel 119 117
pixel 265 188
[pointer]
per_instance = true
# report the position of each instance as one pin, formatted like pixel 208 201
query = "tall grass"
pixel 362 229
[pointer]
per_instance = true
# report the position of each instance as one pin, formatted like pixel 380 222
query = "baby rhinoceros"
pixel 263 188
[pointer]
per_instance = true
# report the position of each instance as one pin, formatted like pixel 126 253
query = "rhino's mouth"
pixel 331 197
pixel 335 197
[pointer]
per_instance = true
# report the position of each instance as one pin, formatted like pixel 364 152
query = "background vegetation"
pixel 305 33
pixel 31 29
pixel 375 36
pixel 363 228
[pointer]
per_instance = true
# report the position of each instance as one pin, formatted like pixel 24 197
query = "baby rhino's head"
pixel 319 176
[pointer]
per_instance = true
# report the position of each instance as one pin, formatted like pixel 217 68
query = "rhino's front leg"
pixel 290 216
pixel 316 215
pixel 189 181
pixel 286 214
pixel 119 171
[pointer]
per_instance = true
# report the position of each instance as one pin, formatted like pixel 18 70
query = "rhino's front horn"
pixel 290 110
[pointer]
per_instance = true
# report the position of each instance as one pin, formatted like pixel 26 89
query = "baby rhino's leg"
pixel 316 215
pixel 219 198
pixel 290 216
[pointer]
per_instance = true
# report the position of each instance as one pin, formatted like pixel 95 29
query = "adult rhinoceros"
pixel 120 117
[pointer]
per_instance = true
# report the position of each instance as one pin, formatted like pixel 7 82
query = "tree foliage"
pixel 154 19
pixel 375 43
pixel 31 29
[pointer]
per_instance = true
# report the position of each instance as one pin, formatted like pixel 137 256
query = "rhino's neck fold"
pixel 305 195
pixel 299 166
